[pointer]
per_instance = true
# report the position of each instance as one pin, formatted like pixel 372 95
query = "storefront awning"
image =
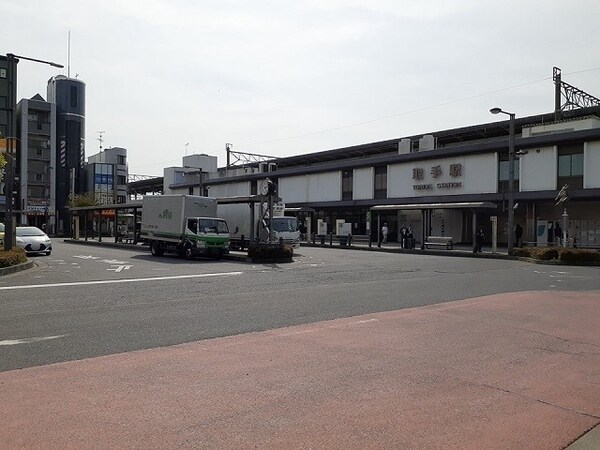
pixel 455 205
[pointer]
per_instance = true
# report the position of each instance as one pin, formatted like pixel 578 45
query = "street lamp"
pixel 12 61
pixel 511 174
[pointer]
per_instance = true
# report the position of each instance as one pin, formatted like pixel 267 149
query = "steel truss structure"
pixel 241 159
pixel 574 98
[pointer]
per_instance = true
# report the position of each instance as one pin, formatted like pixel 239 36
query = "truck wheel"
pixel 155 249
pixel 186 251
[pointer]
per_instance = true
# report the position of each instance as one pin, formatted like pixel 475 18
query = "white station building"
pixel 439 184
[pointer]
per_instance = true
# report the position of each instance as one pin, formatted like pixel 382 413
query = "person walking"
pixel 518 235
pixel 479 236
pixel 384 233
pixel 558 234
pixel 403 233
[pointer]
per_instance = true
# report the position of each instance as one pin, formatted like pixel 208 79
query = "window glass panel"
pixel 564 166
pixel 577 165
pixel 503 171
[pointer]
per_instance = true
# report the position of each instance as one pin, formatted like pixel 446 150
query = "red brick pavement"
pixel 504 371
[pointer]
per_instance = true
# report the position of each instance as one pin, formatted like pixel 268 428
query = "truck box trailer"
pixel 184 224
pixel 239 219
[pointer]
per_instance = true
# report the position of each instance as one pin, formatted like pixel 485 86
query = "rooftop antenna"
pixel 69 55
pixel 101 138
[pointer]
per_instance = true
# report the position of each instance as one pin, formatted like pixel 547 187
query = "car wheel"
pixel 48 253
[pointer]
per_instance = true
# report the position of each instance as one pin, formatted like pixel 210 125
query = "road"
pixel 340 349
pixel 89 301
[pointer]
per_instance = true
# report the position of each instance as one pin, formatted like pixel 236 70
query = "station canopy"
pixel 420 206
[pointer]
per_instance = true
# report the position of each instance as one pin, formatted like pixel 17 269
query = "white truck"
pixel 239 218
pixel 184 224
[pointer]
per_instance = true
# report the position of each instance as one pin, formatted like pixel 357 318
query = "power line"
pixel 412 111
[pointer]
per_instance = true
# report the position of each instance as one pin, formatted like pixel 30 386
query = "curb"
pixel 17 268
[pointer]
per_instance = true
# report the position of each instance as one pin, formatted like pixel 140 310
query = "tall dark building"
pixel 69 96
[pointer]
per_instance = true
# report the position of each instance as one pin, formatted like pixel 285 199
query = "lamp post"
pixel 12 61
pixel 511 174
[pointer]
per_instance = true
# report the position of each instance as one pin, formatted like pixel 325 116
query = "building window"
pixel 253 187
pixel 73 96
pixel 121 179
pixel 380 182
pixel 503 173
pixel 121 160
pixel 570 165
pixel 347 184
pixel 121 199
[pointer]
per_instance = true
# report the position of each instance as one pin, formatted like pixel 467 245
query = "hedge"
pixel 270 251
pixel 12 257
pixel 565 255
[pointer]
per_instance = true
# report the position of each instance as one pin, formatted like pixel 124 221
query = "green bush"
pixel 545 253
pixel 270 251
pixel 12 257
pixel 522 252
pixel 565 255
pixel 578 256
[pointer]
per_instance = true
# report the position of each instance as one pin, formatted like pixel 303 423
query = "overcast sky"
pixel 284 78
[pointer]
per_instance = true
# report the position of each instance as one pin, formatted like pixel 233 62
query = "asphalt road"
pixel 89 301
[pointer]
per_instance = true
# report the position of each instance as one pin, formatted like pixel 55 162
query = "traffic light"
pixel 272 187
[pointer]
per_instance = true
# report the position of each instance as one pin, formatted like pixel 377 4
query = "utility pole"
pixel 12 60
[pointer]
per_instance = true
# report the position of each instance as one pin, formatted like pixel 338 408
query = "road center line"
pixel 125 280
pixel 30 340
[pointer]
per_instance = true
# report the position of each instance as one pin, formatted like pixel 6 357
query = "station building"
pixel 439 183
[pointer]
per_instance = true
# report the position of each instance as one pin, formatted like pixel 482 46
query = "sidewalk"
pixel 390 247
pixel 503 371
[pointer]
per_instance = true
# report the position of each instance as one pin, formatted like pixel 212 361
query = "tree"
pixel 87 199
pixel 3 163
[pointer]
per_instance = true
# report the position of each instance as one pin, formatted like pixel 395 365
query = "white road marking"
pixel 86 257
pixel 30 340
pixel 121 267
pixel 113 262
pixel 125 280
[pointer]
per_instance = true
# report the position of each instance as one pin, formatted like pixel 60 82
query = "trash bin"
pixel 343 241
pixel 322 239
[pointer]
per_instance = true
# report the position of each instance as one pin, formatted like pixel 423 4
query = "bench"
pixel 439 241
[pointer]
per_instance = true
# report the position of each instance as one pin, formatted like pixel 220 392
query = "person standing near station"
pixel 479 237
pixel 557 234
pixel 384 233
pixel 518 235
pixel 403 233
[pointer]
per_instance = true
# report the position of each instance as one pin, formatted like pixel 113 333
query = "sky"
pixel 284 78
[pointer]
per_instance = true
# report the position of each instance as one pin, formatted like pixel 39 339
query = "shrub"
pixel 578 256
pixel 270 251
pixel 544 253
pixel 12 257
pixel 522 252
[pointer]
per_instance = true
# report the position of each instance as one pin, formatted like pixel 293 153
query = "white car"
pixel 33 240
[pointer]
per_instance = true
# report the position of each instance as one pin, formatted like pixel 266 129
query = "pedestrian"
pixel 557 233
pixel 384 233
pixel 479 236
pixel 518 235
pixel 551 233
pixel 403 233
pixel 410 238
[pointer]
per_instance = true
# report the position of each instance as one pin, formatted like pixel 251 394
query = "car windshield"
pixel 29 231
pixel 1 227
pixel 282 224
pixel 212 226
